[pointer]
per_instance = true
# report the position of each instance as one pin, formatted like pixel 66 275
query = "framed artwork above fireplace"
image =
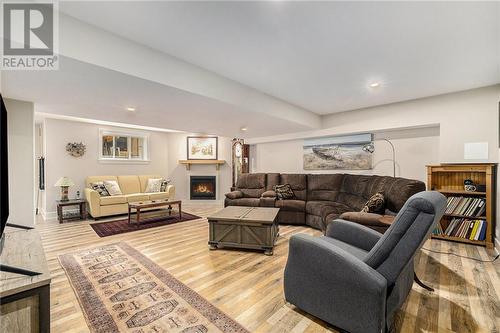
pixel 202 147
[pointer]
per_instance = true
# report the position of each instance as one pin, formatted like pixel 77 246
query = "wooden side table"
pixel 81 215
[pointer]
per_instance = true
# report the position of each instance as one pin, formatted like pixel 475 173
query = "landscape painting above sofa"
pixel 340 152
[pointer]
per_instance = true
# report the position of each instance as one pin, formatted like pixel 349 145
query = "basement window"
pixel 123 147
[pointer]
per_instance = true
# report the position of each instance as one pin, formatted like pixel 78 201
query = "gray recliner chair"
pixel 354 277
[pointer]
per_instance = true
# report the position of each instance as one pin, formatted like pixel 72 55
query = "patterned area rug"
pixel 153 220
pixel 121 290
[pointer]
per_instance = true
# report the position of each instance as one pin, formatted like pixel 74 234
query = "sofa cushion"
pixel 357 189
pixel 158 196
pixel 129 184
pixel 134 197
pixel 290 205
pixel 298 182
pixel 271 180
pixel 323 187
pixel 250 202
pixel 113 200
pixel 252 185
pixel 324 208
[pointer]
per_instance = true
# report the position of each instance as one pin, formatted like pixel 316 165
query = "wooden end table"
pixel 81 215
pixel 138 206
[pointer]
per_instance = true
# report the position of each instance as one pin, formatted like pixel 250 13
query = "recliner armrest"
pixel 269 194
pixel 234 195
pixel 353 233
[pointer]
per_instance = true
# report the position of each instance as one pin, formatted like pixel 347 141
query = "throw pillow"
pixel 164 184
pixel 112 187
pixel 100 188
pixel 154 185
pixel 376 204
pixel 284 192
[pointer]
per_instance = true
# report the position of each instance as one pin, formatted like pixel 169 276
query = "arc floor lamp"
pixel 370 148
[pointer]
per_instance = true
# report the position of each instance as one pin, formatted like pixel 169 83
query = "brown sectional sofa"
pixel 321 198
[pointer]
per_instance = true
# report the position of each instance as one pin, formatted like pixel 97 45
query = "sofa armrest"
pixel 353 233
pixel 329 282
pixel 94 202
pixel 269 194
pixel 234 195
pixel 170 189
pixel 372 219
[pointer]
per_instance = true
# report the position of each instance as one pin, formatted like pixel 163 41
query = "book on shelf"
pixel 465 206
pixel 471 229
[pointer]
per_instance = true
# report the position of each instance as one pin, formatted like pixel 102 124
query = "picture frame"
pixel 338 153
pixel 202 147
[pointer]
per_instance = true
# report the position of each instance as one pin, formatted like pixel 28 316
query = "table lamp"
pixel 64 183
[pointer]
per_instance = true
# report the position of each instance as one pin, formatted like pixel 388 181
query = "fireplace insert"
pixel 202 188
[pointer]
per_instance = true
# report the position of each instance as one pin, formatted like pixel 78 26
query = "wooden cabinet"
pixel 449 180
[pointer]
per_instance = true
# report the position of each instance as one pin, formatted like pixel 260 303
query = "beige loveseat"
pixel 133 189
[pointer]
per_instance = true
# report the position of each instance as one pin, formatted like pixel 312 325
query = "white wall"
pixel 21 161
pixel 57 133
pixel 177 148
pixel 468 116
pixel 414 150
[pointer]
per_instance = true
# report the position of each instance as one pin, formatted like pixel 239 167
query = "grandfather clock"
pixel 240 158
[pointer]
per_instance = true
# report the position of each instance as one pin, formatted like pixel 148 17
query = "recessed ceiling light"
pixel 243 129
pixel 374 84
pixel 130 108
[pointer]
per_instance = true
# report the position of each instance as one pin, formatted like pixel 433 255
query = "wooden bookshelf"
pixel 449 180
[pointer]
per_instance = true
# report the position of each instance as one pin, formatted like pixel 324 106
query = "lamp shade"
pixel 64 181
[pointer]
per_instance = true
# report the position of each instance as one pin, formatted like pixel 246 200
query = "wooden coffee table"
pixel 149 204
pixel 244 227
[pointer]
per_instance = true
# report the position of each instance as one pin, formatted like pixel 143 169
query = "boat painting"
pixel 341 153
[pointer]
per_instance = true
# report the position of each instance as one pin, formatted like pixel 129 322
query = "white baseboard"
pixel 53 215
pixel 204 202
pixel 497 244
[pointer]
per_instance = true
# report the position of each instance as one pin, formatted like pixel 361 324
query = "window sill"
pixel 118 161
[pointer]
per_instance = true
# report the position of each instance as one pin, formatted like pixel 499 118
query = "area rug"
pixel 104 229
pixel 121 290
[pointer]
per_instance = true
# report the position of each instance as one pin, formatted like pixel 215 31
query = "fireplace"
pixel 202 188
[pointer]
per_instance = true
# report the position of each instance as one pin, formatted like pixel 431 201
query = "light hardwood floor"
pixel 248 285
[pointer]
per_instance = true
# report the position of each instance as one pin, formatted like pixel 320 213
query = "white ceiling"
pixel 319 55
pixel 83 90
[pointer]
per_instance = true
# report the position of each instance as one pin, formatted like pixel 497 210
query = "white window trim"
pixel 129 160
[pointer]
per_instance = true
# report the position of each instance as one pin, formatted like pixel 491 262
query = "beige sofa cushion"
pixel 143 179
pixel 129 184
pixel 113 200
pixel 134 197
pixel 158 196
